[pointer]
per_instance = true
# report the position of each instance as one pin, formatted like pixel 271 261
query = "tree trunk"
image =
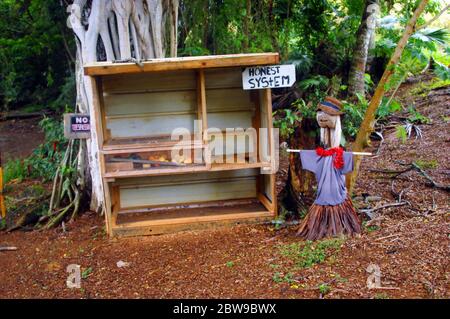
pixel 127 29
pixel 364 35
pixel 298 193
pixel 367 125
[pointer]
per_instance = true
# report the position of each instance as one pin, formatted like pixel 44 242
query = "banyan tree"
pixel 108 30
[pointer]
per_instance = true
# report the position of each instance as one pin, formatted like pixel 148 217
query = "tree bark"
pixel 298 193
pixel 127 29
pixel 367 125
pixel 364 35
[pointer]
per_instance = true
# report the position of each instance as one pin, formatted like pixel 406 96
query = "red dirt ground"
pixel 19 138
pixel 410 244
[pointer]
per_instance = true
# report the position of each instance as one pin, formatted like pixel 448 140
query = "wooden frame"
pixel 214 102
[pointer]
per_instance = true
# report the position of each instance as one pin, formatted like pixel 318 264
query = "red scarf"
pixel 337 152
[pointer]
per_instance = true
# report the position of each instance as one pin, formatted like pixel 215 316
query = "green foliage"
pixel 381 295
pixel 401 133
pixel 86 273
pixel 442 71
pixel 279 278
pixel 229 264
pixel 416 117
pixel 307 254
pixel 424 164
pixel 354 115
pixel 35 65
pixel 286 122
pixel 324 288
pixel 425 45
pixel 14 169
pixel 315 87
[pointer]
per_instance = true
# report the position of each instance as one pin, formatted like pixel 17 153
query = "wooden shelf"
pixel 177 219
pixel 184 170
pixel 136 107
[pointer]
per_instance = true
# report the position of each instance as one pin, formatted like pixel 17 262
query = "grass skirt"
pixel 330 221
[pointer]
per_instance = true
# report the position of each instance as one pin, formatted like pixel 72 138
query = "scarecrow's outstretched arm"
pixel 354 153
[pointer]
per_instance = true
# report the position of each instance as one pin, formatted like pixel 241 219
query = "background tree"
pixel 364 37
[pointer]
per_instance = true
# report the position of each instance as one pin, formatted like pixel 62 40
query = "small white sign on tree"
pixel 270 76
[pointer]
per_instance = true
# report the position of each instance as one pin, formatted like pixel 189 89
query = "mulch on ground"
pixel 409 244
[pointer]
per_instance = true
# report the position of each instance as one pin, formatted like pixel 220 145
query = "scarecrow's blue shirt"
pixel 331 188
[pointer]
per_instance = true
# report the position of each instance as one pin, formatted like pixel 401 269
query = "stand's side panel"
pixel 267 151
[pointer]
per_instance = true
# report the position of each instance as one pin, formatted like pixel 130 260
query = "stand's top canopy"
pixel 184 63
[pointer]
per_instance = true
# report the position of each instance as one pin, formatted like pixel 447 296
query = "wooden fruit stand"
pixel 147 189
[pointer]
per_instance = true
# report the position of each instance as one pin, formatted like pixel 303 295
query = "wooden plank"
pixel 156 172
pixel 273 180
pixel 225 99
pixel 150 104
pixel 266 202
pixel 230 120
pixel 107 208
pixel 179 80
pixel 184 63
pixel 223 78
pixel 166 229
pixel 156 147
pixel 234 166
pixel 196 219
pixel 183 178
pixel 115 204
pixel 148 126
pixel 188 192
pixel 97 111
pixel 162 142
pixel 201 104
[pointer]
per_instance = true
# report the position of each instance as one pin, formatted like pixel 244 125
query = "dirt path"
pixel 409 244
pixel 19 138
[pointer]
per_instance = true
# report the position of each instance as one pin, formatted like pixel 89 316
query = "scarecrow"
pixel 332 213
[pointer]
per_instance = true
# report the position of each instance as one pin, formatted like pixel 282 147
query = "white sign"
pixel 271 76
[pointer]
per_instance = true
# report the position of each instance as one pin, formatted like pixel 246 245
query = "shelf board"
pixel 170 220
pixel 146 144
pixel 234 166
pixel 154 172
pixel 183 63
pixel 183 170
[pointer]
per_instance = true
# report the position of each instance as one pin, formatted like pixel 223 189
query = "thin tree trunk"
pixel 365 33
pixel 367 125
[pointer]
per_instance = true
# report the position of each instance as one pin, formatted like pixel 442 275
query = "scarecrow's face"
pixel 326 120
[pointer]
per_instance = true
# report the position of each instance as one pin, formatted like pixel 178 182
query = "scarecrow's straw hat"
pixel 331 106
